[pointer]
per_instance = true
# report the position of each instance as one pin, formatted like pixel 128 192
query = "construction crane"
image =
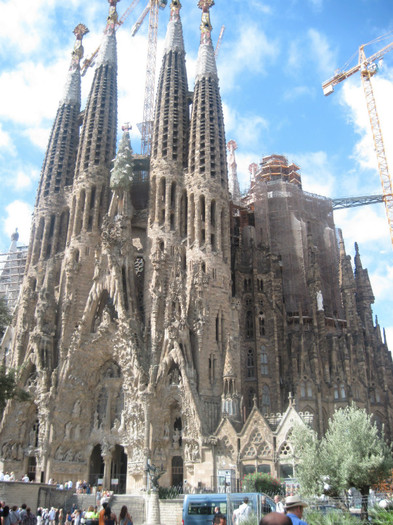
pixel 353 202
pixel 88 62
pixel 146 126
pixel 368 68
pixel 218 45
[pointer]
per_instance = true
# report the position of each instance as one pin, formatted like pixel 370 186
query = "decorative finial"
pixel 206 27
pixel 175 8
pixel 112 20
pixel 232 146
pixel 126 127
pixel 80 31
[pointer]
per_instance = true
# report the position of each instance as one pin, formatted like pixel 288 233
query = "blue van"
pixel 198 509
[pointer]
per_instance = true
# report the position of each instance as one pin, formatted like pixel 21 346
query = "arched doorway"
pixel 119 470
pixel 96 466
pixel 177 471
pixel 31 468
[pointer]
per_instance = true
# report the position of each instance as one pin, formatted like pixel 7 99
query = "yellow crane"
pixel 368 68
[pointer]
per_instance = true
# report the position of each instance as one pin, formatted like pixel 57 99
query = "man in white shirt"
pixel 279 505
pixel 242 513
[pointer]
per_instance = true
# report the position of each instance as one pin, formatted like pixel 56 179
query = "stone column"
pixel 153 509
pixel 146 444
pixel 107 471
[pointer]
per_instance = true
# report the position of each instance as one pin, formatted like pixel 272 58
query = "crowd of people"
pixel 288 513
pixel 10 476
pixel 44 516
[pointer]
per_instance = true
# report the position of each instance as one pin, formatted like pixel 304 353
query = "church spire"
pixel 97 145
pixel 206 60
pixel 207 153
pixel 170 129
pixel 59 163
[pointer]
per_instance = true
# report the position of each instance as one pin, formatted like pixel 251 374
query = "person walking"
pixel 242 513
pixel 124 517
pixel 294 507
pixel 279 505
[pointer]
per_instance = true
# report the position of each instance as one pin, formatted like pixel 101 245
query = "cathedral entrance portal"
pixel 177 472
pixel 96 466
pixel 119 470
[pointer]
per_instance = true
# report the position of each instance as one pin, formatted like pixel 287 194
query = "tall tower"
pixel 90 194
pixel 167 223
pixel 36 324
pixel 208 241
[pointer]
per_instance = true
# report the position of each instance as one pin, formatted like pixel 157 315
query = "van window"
pixel 206 508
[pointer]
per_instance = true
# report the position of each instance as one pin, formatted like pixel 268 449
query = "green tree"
pixel 9 388
pixel 8 378
pixel 5 316
pixel 351 454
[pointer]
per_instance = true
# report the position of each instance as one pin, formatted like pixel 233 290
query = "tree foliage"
pixel 351 454
pixel 5 316
pixel 261 482
pixel 9 388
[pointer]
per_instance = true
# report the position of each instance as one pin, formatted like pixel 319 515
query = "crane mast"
pixel 368 68
pixel 148 101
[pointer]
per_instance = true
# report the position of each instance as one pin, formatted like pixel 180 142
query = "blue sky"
pixel 273 58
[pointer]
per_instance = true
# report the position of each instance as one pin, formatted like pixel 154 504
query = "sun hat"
pixel 294 501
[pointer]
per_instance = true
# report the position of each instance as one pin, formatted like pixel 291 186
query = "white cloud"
pixel 39 136
pixel 298 91
pixel 366 225
pixel 353 99
pixel 317 173
pixel 261 7
pixel 247 128
pixel 6 141
pixel 18 216
pixel 31 92
pixel 250 53
pixel 316 4
pixel 311 50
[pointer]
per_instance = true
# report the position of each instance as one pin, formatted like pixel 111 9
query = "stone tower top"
pixel 107 53
pixel 174 33
pixel 72 87
pixel 206 64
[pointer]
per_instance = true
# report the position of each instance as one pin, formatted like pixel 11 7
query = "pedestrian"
pixel 101 519
pixel 275 518
pixel 29 518
pixel 242 512
pixel 279 505
pixel 14 515
pixel 39 515
pixel 124 516
pixel 52 516
pixel 109 516
pixel 294 508
pixel 6 518
pixel 219 519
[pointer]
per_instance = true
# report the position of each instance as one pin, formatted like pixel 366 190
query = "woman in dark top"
pixel 109 517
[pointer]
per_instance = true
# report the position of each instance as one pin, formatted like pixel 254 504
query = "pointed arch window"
pixel 265 400
pixel 250 363
pixel 264 361
pixel 249 325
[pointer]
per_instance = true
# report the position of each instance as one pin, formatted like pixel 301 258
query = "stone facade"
pixel 161 318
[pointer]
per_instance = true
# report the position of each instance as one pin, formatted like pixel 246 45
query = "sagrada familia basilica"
pixel 166 319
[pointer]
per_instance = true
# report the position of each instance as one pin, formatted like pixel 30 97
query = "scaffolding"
pixel 12 268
